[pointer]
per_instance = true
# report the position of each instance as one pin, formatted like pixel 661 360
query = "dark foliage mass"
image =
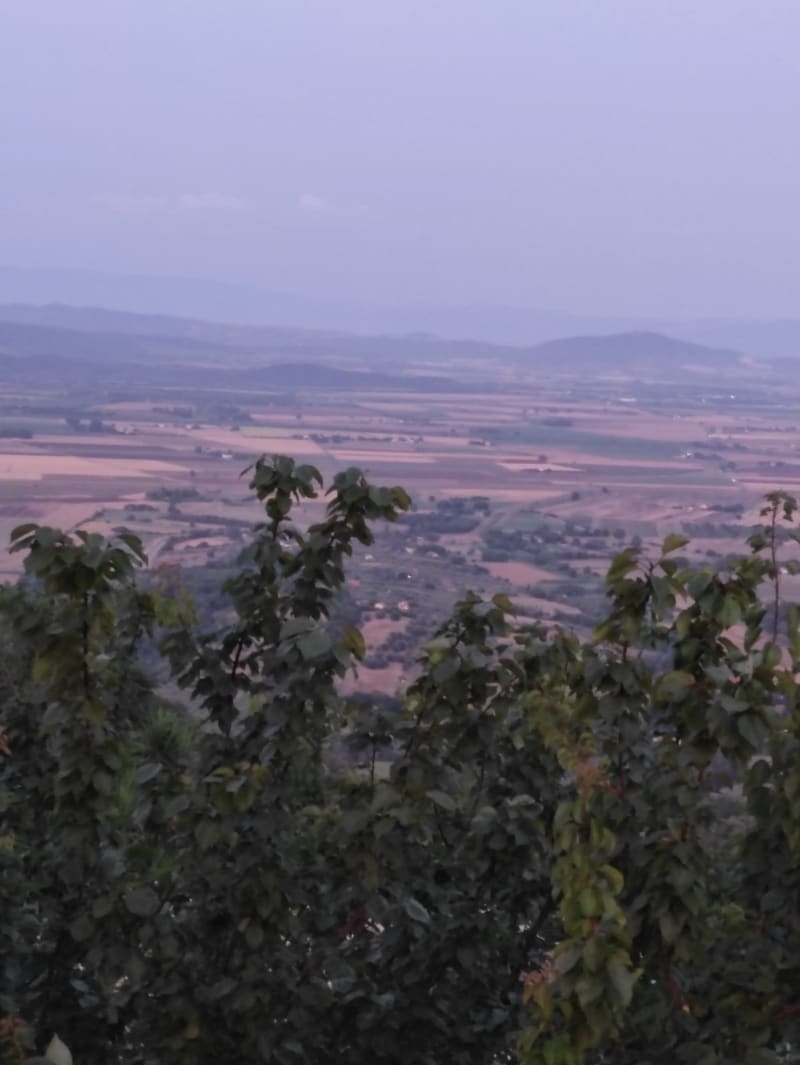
pixel 552 851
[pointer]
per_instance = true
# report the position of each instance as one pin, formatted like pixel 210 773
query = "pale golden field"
pixel 532 606
pixel 390 680
pixel 377 630
pixel 33 467
pixel 518 573
pixel 604 461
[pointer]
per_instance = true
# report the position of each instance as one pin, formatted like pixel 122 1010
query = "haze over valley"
pixel 529 467
pixel 399 532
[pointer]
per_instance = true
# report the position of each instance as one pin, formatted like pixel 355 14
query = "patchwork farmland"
pixel 524 481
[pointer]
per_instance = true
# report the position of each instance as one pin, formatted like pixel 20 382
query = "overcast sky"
pixel 606 156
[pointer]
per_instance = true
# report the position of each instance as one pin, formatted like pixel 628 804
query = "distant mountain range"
pixel 164 350
pixel 219 302
pixel 633 353
pixel 144 333
pixel 67 357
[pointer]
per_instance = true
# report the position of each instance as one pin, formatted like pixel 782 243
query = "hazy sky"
pixel 613 156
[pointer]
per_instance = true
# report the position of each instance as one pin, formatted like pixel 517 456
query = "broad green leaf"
pixel 699 582
pixel 731 612
pixel 58 1052
pixel 147 772
pixel 416 911
pixel 354 641
pixel 143 902
pixel 315 644
pixel 673 542
pixel 441 798
pixel 566 959
pixel 588 902
pixel 103 906
pixel 615 877
pixel 81 928
pixel 254 936
pixel 41 670
pixel 669 927
pixel 94 712
pixel 21 532
pixel 132 541
pixel 751 728
pixel 622 980
pixel 622 564
pixel 402 500
pixel 295 626
pixel 223 987
pixel 589 989
pixel 761 1056
pixel 675 685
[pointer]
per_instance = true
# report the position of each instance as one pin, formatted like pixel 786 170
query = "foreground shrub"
pixel 559 850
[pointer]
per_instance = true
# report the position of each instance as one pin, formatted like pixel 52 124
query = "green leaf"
pixel 730 612
pixel 315 644
pixel 445 670
pixel 254 936
pixel 589 989
pixel 622 564
pixel 94 712
pixel 103 782
pixel 567 957
pixel 354 642
pixel 308 474
pixel 752 729
pixel 416 911
pixel 134 544
pixel 58 1052
pixel 147 772
pixel 699 582
pixel 669 927
pixel 102 907
pixel 22 531
pixel 761 1056
pixel 143 902
pixel 223 987
pixel 402 500
pixel 622 981
pixel 673 542
pixel 772 656
pixel 41 669
pixel 675 685
pixel 441 798
pixel 295 626
pixel 81 928
pixel 615 878
pixel 588 903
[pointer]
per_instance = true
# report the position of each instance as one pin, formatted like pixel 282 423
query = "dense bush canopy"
pixel 557 851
